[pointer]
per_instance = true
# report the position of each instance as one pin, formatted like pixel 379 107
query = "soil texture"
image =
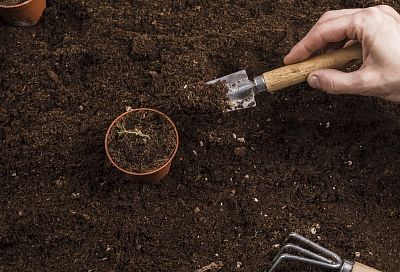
pixel 302 160
pixel 11 2
pixel 142 141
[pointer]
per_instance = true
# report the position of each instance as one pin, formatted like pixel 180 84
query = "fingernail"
pixel 314 82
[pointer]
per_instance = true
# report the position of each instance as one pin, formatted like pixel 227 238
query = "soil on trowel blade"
pixel 302 160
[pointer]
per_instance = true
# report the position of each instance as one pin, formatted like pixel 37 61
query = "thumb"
pixel 335 81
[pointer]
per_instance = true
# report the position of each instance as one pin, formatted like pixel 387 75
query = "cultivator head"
pixel 308 252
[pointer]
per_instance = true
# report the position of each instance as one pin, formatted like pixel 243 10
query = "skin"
pixel 378 30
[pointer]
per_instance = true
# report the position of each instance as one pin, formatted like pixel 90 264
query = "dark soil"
pixel 142 141
pixel 11 2
pixel 240 182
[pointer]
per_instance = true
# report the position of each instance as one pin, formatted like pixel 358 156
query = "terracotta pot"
pixel 152 177
pixel 25 14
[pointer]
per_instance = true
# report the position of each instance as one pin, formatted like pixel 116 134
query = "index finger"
pixel 334 30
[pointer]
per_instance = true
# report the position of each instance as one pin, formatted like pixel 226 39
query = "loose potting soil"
pixel 302 160
pixel 142 141
pixel 11 2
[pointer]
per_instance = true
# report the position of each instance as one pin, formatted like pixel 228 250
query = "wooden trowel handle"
pixel 363 268
pixel 297 73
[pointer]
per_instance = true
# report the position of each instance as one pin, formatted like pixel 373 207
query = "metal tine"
pixel 310 257
pixel 306 252
pixel 304 260
pixel 315 246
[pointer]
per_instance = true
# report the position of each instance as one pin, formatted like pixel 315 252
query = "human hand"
pixel 378 29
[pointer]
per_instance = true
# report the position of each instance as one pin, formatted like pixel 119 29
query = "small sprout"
pixel 134 131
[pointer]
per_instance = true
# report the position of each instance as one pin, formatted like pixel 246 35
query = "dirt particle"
pixel 2 134
pixel 313 231
pixel 83 130
pixel 240 151
pixel 61 181
pixel 348 163
pixel 218 175
pixel 153 74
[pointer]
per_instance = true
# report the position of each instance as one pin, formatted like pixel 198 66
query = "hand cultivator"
pixel 299 249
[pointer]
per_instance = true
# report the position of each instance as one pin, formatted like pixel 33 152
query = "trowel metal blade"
pixel 240 90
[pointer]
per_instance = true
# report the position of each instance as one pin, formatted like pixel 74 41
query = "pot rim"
pixel 146 173
pixel 17 5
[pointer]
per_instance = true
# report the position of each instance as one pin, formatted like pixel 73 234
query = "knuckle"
pixel 371 13
pixel 367 18
pixel 326 15
pixel 332 87
pixel 358 22
pixel 328 84
pixel 387 8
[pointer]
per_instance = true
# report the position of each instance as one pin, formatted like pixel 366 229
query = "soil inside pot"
pixel 142 141
pixel 11 2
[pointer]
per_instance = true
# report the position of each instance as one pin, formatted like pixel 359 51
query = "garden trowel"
pixel 241 90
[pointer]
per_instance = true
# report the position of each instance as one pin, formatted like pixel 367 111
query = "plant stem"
pixel 134 131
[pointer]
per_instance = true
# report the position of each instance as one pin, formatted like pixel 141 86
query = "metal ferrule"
pixel 347 266
pixel 260 84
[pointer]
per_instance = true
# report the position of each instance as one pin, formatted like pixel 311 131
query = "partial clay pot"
pixel 26 14
pixel 155 176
